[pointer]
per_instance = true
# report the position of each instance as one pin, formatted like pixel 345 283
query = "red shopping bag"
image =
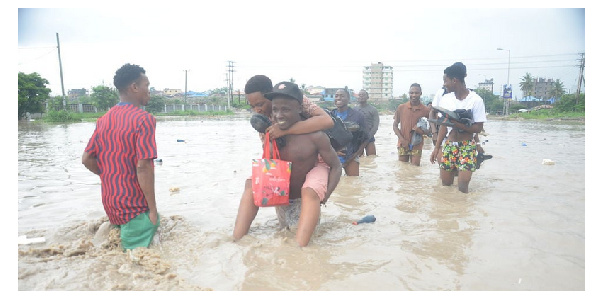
pixel 271 178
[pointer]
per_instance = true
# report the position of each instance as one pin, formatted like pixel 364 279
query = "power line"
pixel 472 59
pixel 43 55
pixel 32 48
pixel 482 69
pixel 400 66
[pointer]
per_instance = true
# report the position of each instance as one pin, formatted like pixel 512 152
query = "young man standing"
pixel 456 147
pixel 371 120
pixel 307 193
pixel 356 123
pixel 408 115
pixel 121 151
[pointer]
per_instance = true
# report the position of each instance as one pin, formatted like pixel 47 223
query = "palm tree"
pixel 557 89
pixel 527 85
pixel 303 88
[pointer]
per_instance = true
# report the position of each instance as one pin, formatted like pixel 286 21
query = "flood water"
pixel 521 226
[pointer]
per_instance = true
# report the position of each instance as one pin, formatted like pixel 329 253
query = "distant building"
pixel 542 87
pixel 329 94
pixel 197 94
pixel 171 92
pixel 314 98
pixel 153 91
pixel 378 81
pixel 487 85
pixel 76 93
pixel 311 90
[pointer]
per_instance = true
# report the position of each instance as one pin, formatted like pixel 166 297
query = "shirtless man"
pixel 303 150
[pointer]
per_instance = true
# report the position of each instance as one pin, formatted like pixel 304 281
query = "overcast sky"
pixel 314 42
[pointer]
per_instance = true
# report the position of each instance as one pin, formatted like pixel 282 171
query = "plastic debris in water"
pixel 180 141
pixel 547 162
pixel 24 240
pixel 366 219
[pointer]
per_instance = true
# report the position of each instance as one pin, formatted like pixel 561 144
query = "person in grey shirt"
pixel 371 119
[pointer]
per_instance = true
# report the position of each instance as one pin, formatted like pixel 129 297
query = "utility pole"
pixel 506 103
pixel 185 93
pixel 227 80
pixel 61 73
pixel 581 78
pixel 230 84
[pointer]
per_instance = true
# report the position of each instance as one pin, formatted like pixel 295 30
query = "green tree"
pixel 156 104
pixel 104 97
pixel 303 88
pixel 490 100
pixel 527 85
pixel 54 103
pixel 569 103
pixel 32 93
pixel 220 91
pixel 557 90
pixel 85 99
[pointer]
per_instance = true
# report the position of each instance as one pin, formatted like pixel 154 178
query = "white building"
pixel 171 92
pixel 487 85
pixel 378 81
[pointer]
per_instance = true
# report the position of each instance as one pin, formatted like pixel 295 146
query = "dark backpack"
pixel 339 135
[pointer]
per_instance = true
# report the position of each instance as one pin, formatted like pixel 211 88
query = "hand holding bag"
pixel 271 178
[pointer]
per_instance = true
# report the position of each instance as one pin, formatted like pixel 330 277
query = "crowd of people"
pixel 122 147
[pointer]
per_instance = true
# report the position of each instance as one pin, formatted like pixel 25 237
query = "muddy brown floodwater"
pixel 521 227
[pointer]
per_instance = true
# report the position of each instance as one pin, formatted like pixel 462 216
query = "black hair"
pixel 126 75
pixel 416 85
pixel 457 70
pixel 258 83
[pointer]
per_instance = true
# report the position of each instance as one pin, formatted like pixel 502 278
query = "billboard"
pixel 507 94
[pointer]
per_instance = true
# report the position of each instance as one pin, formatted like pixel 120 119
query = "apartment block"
pixel 378 81
pixel 542 88
pixel 487 85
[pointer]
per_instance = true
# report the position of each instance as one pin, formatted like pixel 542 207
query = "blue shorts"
pixel 343 159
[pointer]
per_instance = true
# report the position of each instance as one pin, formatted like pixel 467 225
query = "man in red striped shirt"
pixel 121 151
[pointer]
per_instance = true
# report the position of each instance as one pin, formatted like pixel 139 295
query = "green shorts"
pixel 138 232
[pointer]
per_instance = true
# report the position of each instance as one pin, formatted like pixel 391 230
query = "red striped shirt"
pixel 124 135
